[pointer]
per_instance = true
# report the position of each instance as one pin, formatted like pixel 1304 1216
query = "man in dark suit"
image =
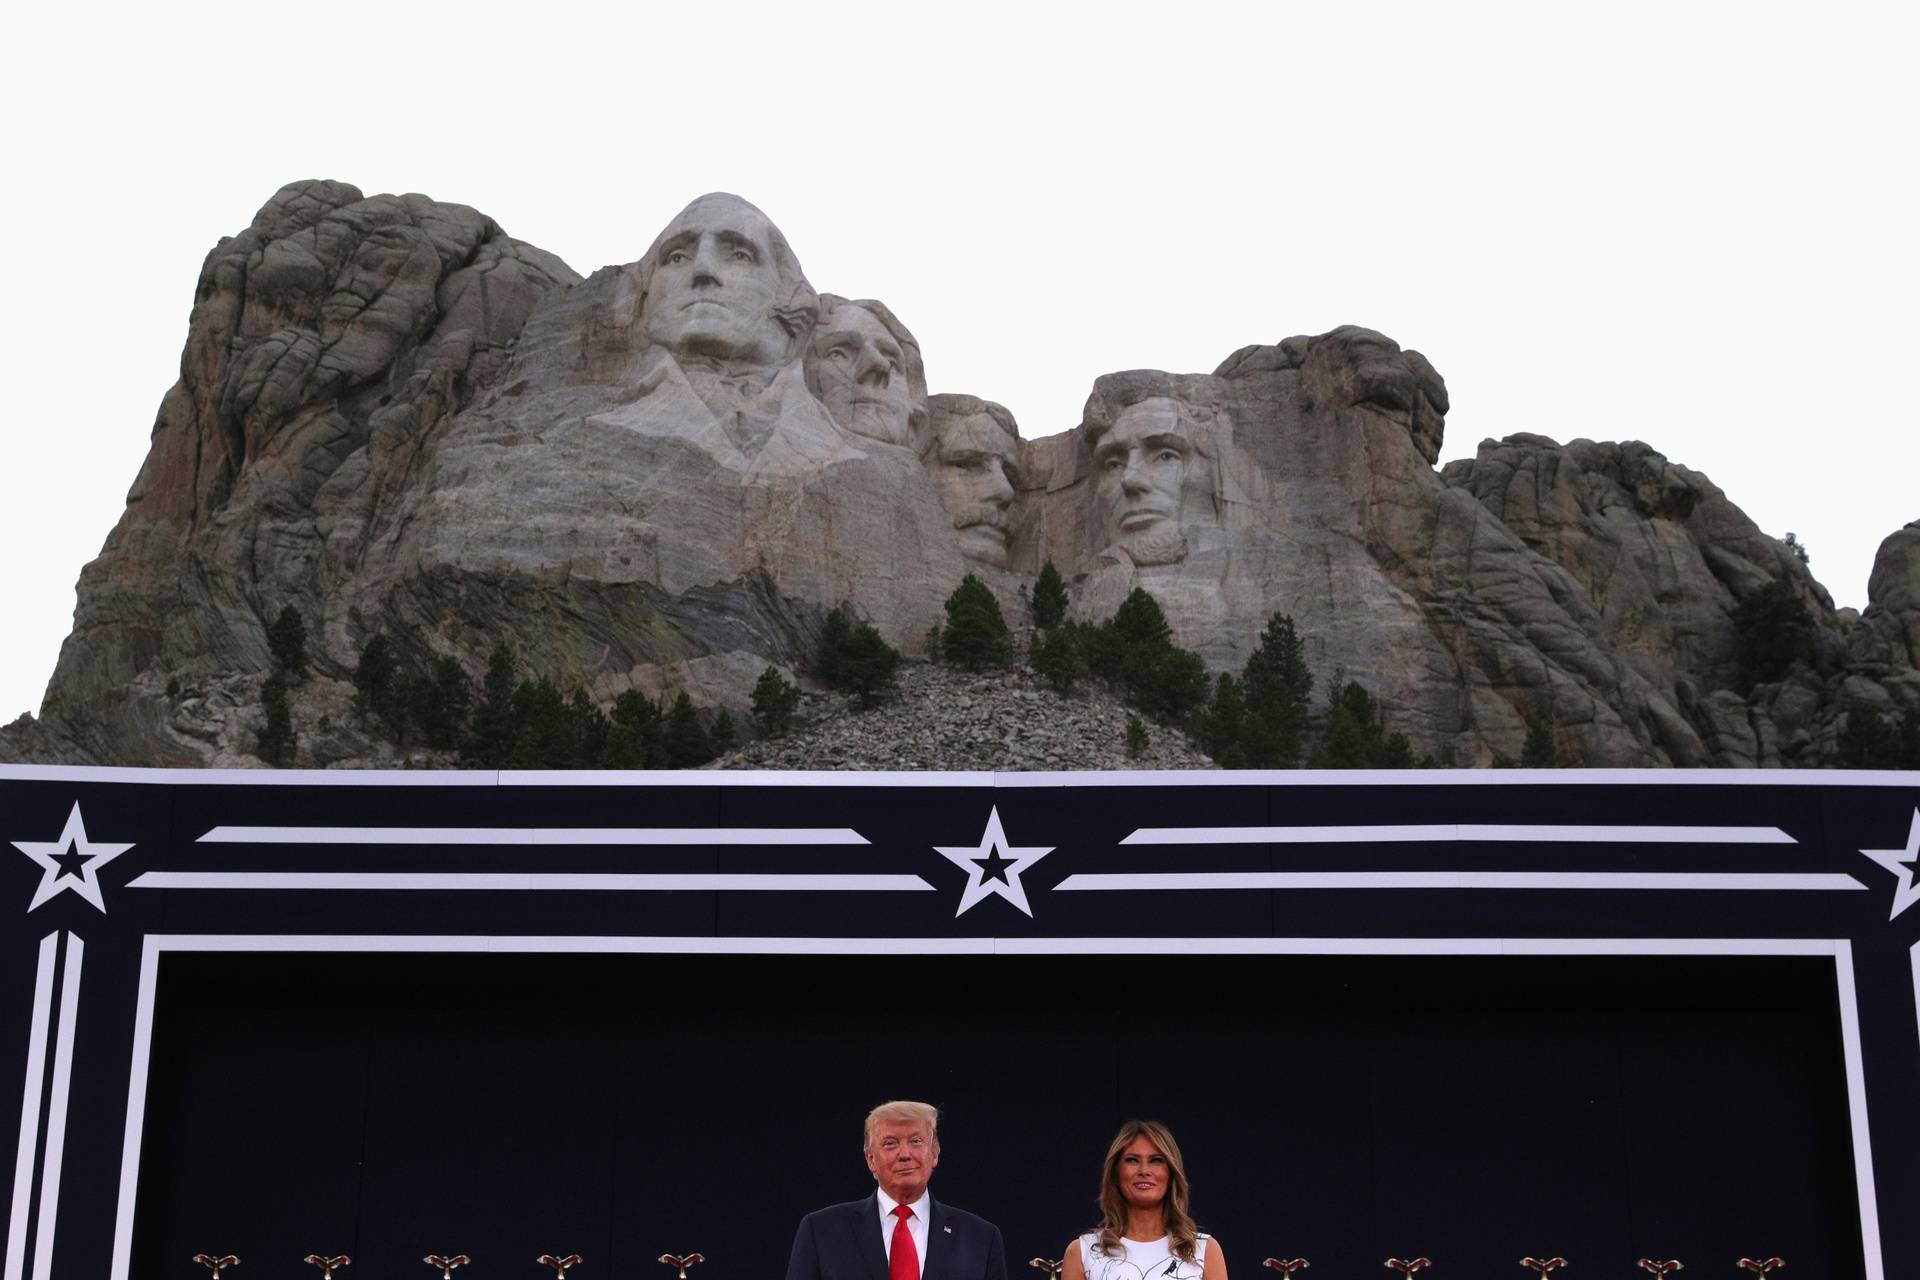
pixel 899 1232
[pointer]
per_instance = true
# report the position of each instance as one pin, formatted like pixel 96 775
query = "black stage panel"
pixel 1338 1108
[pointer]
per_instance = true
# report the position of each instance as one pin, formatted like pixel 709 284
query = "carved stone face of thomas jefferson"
pixel 1149 481
pixel 717 276
pixel 977 455
pixel 859 371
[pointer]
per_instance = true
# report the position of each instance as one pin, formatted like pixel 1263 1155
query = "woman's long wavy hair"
pixel 1181 1231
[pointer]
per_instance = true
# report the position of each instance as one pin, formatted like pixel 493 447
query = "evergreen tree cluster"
pixel 1260 720
pixel 1867 741
pixel 275 743
pixel 513 723
pixel 1354 737
pixel 853 658
pixel 975 636
pixel 1772 631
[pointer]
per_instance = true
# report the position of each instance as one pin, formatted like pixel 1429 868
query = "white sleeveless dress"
pixel 1140 1260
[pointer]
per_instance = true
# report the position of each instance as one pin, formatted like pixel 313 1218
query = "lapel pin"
pixel 948 1230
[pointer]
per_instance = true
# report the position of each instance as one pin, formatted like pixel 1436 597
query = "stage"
pixel 1468 1015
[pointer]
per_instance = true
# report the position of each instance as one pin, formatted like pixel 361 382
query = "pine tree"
pixel 287 642
pixel 976 635
pixel 492 732
pixel 1278 691
pixel 1772 630
pixel 634 739
pixel 1049 598
pixel 443 699
pixel 834 637
pixel 542 737
pixel 686 739
pixel 867 665
pixel 1137 738
pixel 775 699
pixel 1355 738
pixel 1540 750
pixel 723 736
pixel 1056 657
pixel 1222 727
pixel 372 678
pixel 275 742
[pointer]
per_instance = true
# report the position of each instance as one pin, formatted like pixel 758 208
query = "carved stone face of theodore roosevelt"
pixel 977 456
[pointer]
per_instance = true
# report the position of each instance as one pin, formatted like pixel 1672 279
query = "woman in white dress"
pixel 1145 1231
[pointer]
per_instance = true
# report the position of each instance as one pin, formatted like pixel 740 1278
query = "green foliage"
pixel 1867 741
pixel 1772 631
pixel 1540 751
pixel 438 703
pixel 775 699
pixel 287 642
pixel 936 643
pixel 853 658
pixel 275 742
pixel 867 666
pixel 635 736
pixel 1056 657
pixel 835 635
pixel 1137 738
pixel 1277 689
pixel 1798 548
pixel 494 729
pixel 687 742
pixel 1355 738
pixel 723 736
pixel 1134 651
pixel 373 679
pixel 1049 602
pixel 976 635
pixel 1222 727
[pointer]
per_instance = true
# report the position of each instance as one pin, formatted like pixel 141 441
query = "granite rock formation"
pixel 394 417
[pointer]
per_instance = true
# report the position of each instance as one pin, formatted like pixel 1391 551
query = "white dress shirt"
pixel 916 1227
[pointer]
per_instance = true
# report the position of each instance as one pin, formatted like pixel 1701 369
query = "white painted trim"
pixel 1425 946
pixel 881 778
pixel 1914 957
pixel 522 881
pixel 1158 881
pixel 136 1109
pixel 30 1108
pixel 507 944
pixel 535 835
pixel 1857 1111
pixel 1423 833
pixel 57 1110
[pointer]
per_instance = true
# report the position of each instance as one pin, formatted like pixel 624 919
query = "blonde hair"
pixel 1181 1231
pixel 898 1110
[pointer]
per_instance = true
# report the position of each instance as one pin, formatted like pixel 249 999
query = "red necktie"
pixel 903 1262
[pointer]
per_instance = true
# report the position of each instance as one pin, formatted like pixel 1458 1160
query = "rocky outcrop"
pixel 395 418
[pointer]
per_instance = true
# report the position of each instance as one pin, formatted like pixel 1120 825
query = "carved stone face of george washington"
pixel 716 280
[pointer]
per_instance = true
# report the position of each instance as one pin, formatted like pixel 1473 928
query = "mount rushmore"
pixel 395 417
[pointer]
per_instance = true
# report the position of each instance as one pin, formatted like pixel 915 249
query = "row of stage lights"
pixel 446 1265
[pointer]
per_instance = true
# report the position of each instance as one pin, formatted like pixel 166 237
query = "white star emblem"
pixel 1001 875
pixel 1900 862
pixel 71 862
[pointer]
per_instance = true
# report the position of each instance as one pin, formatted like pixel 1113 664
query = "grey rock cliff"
pixel 394 417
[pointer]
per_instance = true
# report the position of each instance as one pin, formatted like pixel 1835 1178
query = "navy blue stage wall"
pixel 1467 1016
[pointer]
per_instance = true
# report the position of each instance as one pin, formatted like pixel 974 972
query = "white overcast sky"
pixel 1692 225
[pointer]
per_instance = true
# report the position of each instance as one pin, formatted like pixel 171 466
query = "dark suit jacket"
pixel 843 1243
